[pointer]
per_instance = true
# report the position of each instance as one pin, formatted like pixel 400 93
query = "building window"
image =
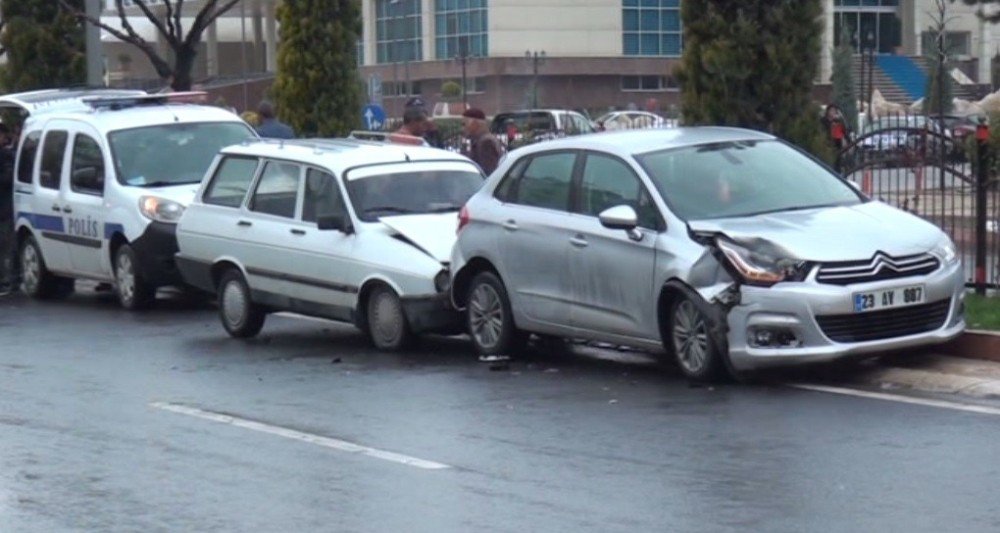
pixel 461 28
pixel 866 3
pixel 398 88
pixel 651 28
pixel 956 43
pixel 649 83
pixel 397 31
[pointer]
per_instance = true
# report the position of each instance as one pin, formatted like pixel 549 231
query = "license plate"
pixel 888 298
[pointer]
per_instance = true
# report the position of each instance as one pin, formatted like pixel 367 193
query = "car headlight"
pixel 758 268
pixel 442 281
pixel 947 252
pixel 160 209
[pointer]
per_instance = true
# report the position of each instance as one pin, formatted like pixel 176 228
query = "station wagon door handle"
pixel 67 209
pixel 245 223
pixel 510 225
pixel 579 241
pixel 56 208
pixel 298 232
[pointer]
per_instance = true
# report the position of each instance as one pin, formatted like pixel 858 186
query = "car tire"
pixel 489 317
pixel 388 328
pixel 690 338
pixel 240 316
pixel 36 280
pixel 133 292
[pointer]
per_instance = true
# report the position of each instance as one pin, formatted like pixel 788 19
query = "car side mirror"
pixel 621 217
pixel 334 222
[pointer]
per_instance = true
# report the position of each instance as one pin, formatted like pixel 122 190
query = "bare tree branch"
pixel 126 34
pixel 141 4
pixel 206 16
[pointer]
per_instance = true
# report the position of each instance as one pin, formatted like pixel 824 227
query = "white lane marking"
pixel 928 402
pixel 327 442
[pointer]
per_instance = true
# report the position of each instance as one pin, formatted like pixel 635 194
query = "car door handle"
pixel 579 241
pixel 298 232
pixel 510 225
pixel 245 223
pixel 56 208
pixel 67 209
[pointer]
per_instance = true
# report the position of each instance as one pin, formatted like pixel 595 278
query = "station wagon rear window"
pixel 411 188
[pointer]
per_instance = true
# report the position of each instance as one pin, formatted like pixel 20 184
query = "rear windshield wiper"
pixel 445 209
pixel 388 208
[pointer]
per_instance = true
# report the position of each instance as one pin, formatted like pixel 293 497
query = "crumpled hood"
pixel 434 233
pixel 831 233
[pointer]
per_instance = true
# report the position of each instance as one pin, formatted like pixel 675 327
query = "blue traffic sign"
pixel 373 117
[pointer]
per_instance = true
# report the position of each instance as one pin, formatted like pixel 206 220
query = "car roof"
pixel 648 139
pixel 60 99
pixel 108 120
pixel 341 154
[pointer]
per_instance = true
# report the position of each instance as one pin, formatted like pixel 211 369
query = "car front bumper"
pixel 155 250
pixel 432 314
pixel 798 309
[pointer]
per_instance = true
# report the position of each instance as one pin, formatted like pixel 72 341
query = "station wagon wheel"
pixel 36 280
pixel 690 340
pixel 387 324
pixel 489 317
pixel 133 292
pixel 241 317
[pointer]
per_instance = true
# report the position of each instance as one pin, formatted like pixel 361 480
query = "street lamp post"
pixel 463 59
pixel 535 57
pixel 870 49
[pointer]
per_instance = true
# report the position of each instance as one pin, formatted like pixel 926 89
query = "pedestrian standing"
pixel 7 248
pixel 484 148
pixel 835 127
pixel 270 127
pixel 429 129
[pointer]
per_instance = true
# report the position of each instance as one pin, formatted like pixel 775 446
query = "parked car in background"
pixel 101 180
pixel 631 120
pixel 899 137
pixel 342 229
pixel 727 248
pixel 516 128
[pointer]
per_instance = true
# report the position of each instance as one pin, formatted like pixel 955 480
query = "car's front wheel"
pixel 241 317
pixel 134 293
pixel 489 317
pixel 690 338
pixel 388 327
pixel 36 280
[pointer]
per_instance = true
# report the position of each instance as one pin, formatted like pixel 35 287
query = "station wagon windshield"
pixel 745 178
pixel 411 193
pixel 171 154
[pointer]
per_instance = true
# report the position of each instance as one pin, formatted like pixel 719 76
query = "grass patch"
pixel 982 312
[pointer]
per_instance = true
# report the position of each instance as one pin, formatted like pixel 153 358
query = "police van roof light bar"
pixel 122 102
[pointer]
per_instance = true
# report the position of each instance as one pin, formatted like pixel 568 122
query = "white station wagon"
pixel 347 230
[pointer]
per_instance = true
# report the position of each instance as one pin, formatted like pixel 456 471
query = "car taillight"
pixel 463 218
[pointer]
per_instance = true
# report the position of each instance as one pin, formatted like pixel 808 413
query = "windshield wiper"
pixel 445 209
pixel 388 208
pixel 163 183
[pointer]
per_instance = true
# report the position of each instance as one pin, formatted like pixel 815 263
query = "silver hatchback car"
pixel 726 248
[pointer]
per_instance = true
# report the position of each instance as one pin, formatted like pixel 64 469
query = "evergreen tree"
pixel 844 91
pixel 316 88
pixel 752 64
pixel 44 45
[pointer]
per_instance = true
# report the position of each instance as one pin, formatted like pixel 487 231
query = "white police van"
pixel 100 182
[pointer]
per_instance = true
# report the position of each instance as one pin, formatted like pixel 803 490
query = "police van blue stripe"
pixel 43 222
pixel 111 229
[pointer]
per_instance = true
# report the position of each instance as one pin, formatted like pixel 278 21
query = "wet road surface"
pixel 111 421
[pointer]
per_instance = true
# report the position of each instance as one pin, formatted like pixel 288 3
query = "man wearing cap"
pixel 429 129
pixel 270 127
pixel 484 148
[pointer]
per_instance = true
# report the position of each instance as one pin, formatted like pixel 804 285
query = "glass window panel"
pixel 649 3
pixel 649 20
pixel 649 44
pixel 630 44
pixel 630 20
pixel 670 20
pixel 671 44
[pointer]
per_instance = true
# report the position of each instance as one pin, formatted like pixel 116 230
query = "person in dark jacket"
pixel 484 148
pixel 429 128
pixel 7 241
pixel 270 127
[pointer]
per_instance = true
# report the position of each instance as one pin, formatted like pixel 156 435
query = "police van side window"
pixel 53 150
pixel 87 166
pixel 231 182
pixel 26 161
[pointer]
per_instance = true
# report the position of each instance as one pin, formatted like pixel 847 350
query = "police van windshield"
pixel 171 154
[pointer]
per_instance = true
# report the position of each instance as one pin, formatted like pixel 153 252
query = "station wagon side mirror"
pixel 621 217
pixel 334 222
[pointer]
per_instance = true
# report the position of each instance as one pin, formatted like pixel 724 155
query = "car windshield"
pixel 526 121
pixel 743 178
pixel 413 192
pixel 171 154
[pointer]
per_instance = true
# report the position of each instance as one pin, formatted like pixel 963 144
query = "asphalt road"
pixel 111 421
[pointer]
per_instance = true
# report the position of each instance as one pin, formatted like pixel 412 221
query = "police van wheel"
pixel 36 280
pixel 240 316
pixel 133 292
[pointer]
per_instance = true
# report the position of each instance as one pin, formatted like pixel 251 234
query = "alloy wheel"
pixel 31 268
pixel 486 315
pixel 690 337
pixel 125 277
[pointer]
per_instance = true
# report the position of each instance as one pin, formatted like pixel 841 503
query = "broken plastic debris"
pixel 493 358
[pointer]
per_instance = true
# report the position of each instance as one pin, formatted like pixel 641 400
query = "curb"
pixel 974 344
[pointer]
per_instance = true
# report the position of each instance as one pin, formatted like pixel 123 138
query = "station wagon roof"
pixel 648 140
pixel 108 120
pixel 341 154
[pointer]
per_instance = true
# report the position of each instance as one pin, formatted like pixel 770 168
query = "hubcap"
pixel 125 278
pixel 386 320
pixel 485 316
pixel 31 269
pixel 234 304
pixel 690 337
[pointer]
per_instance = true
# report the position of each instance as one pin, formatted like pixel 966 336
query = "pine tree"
pixel 844 91
pixel 752 64
pixel 317 89
pixel 44 45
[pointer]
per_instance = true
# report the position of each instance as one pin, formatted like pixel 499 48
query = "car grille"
pixel 881 267
pixel 888 324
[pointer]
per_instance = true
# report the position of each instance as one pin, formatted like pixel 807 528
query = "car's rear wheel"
pixel 36 280
pixel 691 340
pixel 133 292
pixel 388 327
pixel 240 316
pixel 489 317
